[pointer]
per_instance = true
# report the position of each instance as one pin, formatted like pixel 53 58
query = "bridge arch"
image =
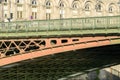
pixel 33 48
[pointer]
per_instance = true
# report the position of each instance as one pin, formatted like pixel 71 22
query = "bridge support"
pixel 15 50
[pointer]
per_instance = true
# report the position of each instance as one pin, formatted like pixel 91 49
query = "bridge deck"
pixel 90 25
pixel 58 33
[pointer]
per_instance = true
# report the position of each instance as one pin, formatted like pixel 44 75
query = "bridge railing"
pixel 105 22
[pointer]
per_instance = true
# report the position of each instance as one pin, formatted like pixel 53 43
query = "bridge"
pixel 23 40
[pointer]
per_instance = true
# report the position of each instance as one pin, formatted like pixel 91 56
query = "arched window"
pixel 48 4
pixel 87 7
pixel 110 9
pixel 98 7
pixel 18 1
pixel 62 9
pixel 61 5
pixel 75 9
pixel 5 0
pixel 34 2
pixel 75 6
pixel 48 10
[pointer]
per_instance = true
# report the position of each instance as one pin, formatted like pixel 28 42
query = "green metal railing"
pixel 71 24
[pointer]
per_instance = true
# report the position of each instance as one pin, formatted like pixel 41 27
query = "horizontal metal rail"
pixel 71 24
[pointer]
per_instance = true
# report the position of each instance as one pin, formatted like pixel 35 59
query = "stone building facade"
pixel 17 10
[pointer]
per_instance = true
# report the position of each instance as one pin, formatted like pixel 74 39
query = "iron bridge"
pixel 22 40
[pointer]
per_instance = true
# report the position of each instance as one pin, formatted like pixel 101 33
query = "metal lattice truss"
pixel 11 47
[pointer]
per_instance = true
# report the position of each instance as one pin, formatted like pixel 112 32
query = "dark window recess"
pixel 64 41
pixel 5 0
pixel 34 2
pixel 18 1
pixel 5 15
pixel 11 15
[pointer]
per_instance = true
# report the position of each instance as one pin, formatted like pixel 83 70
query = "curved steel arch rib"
pixel 15 50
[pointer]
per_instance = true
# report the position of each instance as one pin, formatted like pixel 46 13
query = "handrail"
pixel 86 23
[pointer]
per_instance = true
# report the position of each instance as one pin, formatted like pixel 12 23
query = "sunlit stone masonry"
pixel 17 10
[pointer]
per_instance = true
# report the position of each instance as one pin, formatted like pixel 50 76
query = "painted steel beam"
pixel 33 48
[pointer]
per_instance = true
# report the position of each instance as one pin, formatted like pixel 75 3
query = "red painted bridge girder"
pixel 15 50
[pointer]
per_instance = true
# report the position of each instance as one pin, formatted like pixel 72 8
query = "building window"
pixel 110 9
pixel 5 0
pixel 61 5
pixel 47 16
pixel 98 8
pixel 11 15
pixel 5 15
pixel 34 15
pixel 34 2
pixel 87 7
pixel 48 4
pixel 18 1
pixel 75 9
pixel 62 10
pixel 75 6
pixel 19 14
pixel 48 10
